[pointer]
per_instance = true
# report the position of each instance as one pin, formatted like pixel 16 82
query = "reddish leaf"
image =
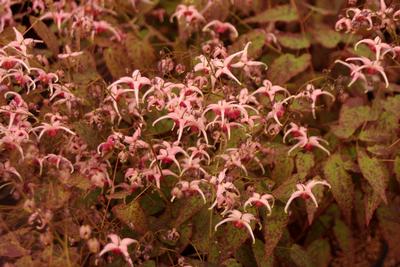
pixel 374 172
pixel 342 185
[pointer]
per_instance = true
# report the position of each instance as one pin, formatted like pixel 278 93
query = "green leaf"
pixel 350 119
pixel 326 37
pixel 300 257
pixel 319 251
pixel 294 40
pixel 371 203
pixel 259 254
pixel 257 39
pixel 285 13
pixel 116 60
pixel 201 232
pixel 186 208
pixel 389 221
pixel 287 66
pixel 341 183
pixel 283 168
pixel 273 228
pixel 304 162
pixel 132 215
pixel 374 172
pixel 346 243
pixel 140 52
pixel 45 34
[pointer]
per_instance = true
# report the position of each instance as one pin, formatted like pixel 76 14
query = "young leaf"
pixel 374 172
pixel 285 13
pixel 287 66
pixel 342 185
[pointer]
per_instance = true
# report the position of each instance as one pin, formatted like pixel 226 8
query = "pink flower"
pixel 260 200
pixel 59 17
pixel 185 188
pixel 53 127
pixel 245 63
pixel 240 219
pixel 308 143
pixel 270 90
pixel 304 191
pixel 119 246
pixel 168 153
pixel 189 13
pixel 57 159
pixel 371 67
pixel 135 83
pixel 223 66
pixel 312 94
pixel 377 46
pixel 344 24
pixel 219 27
pixel 355 73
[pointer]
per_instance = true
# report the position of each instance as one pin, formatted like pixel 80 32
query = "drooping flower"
pixel 240 219
pixel 304 191
pixel 119 246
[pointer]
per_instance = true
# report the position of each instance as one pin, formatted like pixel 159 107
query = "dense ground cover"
pixel 199 133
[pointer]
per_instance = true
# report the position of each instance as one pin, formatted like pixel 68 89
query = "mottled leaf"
pixel 371 202
pixel 186 207
pixel 342 185
pixel 294 40
pixel 344 237
pixel 259 254
pixel 389 220
pixel 285 13
pixel 350 118
pixel 257 39
pixel 45 34
pixel 304 162
pixel 117 62
pixel 140 52
pixel 300 257
pixel 287 66
pixel 327 37
pixel 319 252
pixel 273 229
pixel 374 172
pixel 132 215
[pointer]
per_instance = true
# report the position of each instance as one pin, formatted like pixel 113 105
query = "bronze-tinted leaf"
pixel 273 228
pixel 288 66
pixel 45 34
pixel 341 182
pixel 285 13
pixel 374 172
pixel 132 215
